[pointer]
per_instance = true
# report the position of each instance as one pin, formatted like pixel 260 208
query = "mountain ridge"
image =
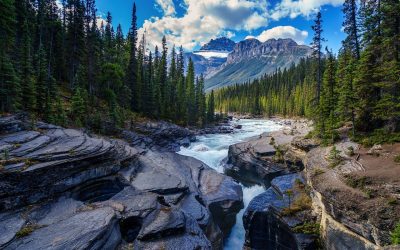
pixel 252 58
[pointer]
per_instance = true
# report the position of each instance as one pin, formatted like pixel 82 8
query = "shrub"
pixel 397 159
pixel 334 157
pixel 395 235
pixel 272 141
pixel 350 151
pixel 307 228
pixel 392 201
pixel 318 171
pixel 25 231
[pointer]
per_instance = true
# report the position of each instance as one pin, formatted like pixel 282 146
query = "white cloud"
pixel 206 19
pixel 295 8
pixel 282 32
pixel 167 7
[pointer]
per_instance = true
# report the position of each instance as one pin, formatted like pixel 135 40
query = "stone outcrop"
pixel 158 136
pixel 270 222
pixel 61 188
pixel 269 155
pixel 353 197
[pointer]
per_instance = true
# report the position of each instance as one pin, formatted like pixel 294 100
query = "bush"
pixel 318 171
pixel 25 231
pixel 307 228
pixel 379 136
pixel 350 151
pixel 334 157
pixel 395 235
pixel 397 159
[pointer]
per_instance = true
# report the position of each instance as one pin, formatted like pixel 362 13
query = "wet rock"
pixel 161 136
pixel 246 163
pixel 265 224
pixel 88 229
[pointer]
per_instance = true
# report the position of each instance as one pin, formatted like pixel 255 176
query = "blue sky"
pixel 191 23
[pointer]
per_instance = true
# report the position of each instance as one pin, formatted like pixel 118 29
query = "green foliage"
pixel 397 159
pixel 395 235
pixel 350 151
pixel 378 136
pixel 25 231
pixel 334 157
pixel 308 228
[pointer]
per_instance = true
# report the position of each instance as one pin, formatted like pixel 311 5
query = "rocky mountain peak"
pixel 219 44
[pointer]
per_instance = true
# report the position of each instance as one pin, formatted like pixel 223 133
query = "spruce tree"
pixel 132 74
pixel 351 27
pixel 190 94
pixel 211 108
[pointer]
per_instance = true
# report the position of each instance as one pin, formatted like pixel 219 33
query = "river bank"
pixel 343 196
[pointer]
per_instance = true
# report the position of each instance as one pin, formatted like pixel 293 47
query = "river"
pixel 213 149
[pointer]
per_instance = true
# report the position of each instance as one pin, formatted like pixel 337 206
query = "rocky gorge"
pixel 65 189
pixel 69 189
pixel 317 197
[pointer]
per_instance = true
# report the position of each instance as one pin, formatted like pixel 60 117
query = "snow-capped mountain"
pixel 211 55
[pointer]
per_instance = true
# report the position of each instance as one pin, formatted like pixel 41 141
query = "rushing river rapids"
pixel 213 149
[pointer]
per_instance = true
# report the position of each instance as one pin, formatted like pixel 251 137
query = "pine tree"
pixel 345 80
pixel 190 94
pixel 211 108
pixel 109 38
pixel 328 99
pixel 317 50
pixel 9 85
pixel 351 28
pixel 78 107
pixel 132 74
pixel 163 79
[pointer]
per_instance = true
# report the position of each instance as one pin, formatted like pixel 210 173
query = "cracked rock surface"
pixel 64 189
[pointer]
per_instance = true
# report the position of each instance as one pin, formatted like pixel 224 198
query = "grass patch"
pixel 279 153
pixel 395 235
pixel 26 230
pixel 301 202
pixel 358 182
pixel 308 228
pixel 392 201
pixel 318 171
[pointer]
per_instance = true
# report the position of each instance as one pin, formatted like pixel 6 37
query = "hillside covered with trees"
pixel 360 85
pixel 61 66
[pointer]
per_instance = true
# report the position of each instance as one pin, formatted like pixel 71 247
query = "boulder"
pixel 248 164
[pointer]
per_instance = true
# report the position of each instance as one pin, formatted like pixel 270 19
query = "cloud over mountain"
pixel 282 32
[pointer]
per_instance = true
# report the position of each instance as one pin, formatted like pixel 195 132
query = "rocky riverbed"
pixel 64 189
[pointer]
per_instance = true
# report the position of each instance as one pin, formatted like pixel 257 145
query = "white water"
pixel 213 149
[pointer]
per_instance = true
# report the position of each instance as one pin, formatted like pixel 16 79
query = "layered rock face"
pixel 63 189
pixel 267 223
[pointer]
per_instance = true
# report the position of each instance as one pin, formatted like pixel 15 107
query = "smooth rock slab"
pixel 86 230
